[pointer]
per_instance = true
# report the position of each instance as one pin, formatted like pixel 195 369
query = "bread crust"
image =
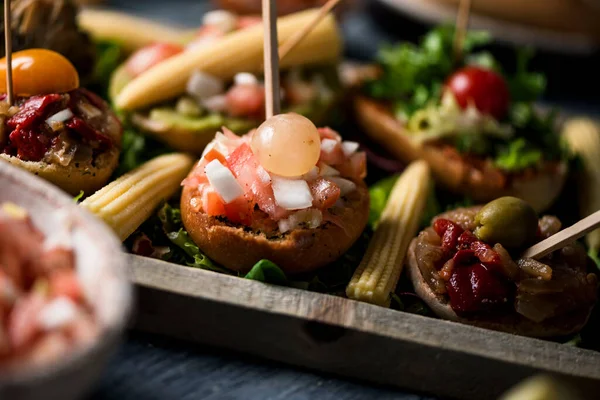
pixel 76 176
pixel 298 251
pixel 513 323
pixel 539 190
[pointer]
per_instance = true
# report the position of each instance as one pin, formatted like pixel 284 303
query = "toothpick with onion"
pixel 288 192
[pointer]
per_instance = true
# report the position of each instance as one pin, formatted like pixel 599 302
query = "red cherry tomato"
pixel 148 56
pixel 246 100
pixel 482 87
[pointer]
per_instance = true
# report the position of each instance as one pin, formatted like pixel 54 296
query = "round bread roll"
pixel 300 250
pixel 540 190
pixel 76 176
pixel 515 323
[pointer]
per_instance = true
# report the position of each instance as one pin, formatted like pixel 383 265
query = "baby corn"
pixel 127 202
pixel 238 51
pixel 583 137
pixel 379 271
pixel 130 31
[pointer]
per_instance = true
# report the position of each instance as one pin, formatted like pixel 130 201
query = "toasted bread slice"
pixel 301 250
pixel 540 189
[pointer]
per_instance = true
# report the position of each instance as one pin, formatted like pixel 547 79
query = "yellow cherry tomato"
pixel 39 71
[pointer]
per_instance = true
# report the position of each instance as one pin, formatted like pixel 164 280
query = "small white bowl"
pixel 102 270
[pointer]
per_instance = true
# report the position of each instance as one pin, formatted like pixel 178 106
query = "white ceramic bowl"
pixel 101 267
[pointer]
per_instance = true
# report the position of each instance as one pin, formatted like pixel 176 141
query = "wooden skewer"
pixel 564 237
pixel 462 24
pixel 8 47
pixel 271 60
pixel 296 38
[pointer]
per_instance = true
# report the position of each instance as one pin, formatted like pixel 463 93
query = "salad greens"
pixel 413 80
pixel 109 55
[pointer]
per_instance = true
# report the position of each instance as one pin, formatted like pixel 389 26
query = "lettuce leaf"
pixel 379 193
pixel 137 148
pixel 517 156
pixel 109 55
pixel 268 272
pixel 413 75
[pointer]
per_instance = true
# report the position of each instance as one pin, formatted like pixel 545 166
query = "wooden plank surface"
pixel 346 337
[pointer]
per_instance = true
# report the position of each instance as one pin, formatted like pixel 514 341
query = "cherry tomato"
pixel 148 56
pixel 39 71
pixel 246 100
pixel 484 88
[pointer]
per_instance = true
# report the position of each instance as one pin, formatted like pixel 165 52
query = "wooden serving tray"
pixel 347 337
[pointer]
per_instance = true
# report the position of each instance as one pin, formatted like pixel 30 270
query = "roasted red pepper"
pixel 476 282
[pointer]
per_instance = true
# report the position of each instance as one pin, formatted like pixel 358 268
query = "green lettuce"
pixel 517 156
pixel 109 55
pixel 593 253
pixel 414 75
pixel 379 194
pixel 268 272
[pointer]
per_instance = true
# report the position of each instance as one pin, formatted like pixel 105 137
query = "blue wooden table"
pixel 150 367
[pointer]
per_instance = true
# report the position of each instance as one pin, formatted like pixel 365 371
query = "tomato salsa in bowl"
pixel 64 291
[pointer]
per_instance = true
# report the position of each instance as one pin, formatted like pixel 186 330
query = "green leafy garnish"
pixel 518 156
pixel 268 272
pixel 414 74
pixel 137 148
pixel 109 55
pixel 78 198
pixel 379 193
pixel 524 85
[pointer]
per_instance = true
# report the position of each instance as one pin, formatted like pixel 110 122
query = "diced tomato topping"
pixel 214 204
pixel 449 232
pixel 328 133
pixel 240 211
pixel 244 166
pixel 248 21
pixel 246 101
pixel 355 166
pixel 53 260
pixel 325 193
pixel 148 56
pixel 22 322
pixel 214 154
pixel 334 157
pixel 65 283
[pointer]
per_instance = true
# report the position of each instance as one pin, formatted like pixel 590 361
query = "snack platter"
pixel 264 234
pixel 346 337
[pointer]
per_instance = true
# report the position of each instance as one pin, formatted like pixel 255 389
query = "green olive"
pixel 509 221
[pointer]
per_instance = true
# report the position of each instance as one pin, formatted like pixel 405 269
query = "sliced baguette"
pixel 539 190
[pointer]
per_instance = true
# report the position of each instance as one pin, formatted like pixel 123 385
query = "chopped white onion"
pixel 349 148
pixel 263 175
pixel 62 235
pixel 216 103
pixel 311 217
pixel 89 110
pixel 57 314
pixel 223 181
pixel 203 86
pixel 292 194
pixel 345 185
pixel 245 78
pixel 328 145
pixel 60 116
pixel 327 170
pixel 224 20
